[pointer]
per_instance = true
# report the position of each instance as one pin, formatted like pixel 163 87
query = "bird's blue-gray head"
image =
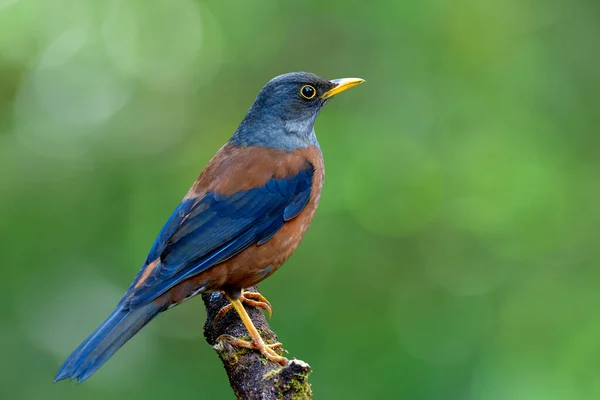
pixel 284 112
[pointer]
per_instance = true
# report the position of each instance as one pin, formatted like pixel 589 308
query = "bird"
pixel 240 221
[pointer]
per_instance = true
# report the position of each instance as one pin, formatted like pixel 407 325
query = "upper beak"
pixel 341 85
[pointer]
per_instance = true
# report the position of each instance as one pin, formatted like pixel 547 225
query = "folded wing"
pixel 205 232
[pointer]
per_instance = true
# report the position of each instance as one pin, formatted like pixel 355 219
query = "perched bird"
pixel 241 220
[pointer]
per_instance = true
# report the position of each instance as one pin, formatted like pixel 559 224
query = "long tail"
pixel 105 341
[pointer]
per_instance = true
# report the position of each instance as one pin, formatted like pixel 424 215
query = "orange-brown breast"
pixel 234 169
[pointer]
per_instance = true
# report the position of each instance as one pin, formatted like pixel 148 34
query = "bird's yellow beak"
pixel 341 85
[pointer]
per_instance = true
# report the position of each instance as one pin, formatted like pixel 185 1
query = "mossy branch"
pixel 251 376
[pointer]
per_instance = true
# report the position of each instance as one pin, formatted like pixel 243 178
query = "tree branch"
pixel 251 376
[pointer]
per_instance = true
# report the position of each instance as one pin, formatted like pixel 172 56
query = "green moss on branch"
pixel 251 376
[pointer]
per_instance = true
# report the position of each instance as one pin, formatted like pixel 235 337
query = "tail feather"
pixel 118 328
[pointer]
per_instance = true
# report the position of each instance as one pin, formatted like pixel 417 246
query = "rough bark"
pixel 251 376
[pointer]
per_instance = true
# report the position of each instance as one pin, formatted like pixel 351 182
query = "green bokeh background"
pixel 454 254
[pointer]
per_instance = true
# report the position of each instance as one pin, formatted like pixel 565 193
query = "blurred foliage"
pixel 454 255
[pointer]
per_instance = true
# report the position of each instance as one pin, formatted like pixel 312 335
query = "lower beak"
pixel 341 85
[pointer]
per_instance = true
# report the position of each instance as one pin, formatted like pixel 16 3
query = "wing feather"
pixel 203 233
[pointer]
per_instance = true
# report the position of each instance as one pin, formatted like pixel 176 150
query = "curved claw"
pixel 257 343
pixel 222 313
pixel 267 350
pixel 256 299
pixel 253 299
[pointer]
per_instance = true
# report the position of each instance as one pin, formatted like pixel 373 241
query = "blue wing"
pixel 203 233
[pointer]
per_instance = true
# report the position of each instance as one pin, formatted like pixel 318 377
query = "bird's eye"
pixel 308 92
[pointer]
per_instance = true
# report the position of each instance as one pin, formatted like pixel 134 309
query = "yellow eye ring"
pixel 308 92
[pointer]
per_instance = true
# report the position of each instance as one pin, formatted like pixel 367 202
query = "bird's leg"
pixel 257 342
pixel 253 299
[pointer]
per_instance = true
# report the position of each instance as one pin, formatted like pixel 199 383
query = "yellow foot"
pixel 256 341
pixel 253 299
pixel 265 349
